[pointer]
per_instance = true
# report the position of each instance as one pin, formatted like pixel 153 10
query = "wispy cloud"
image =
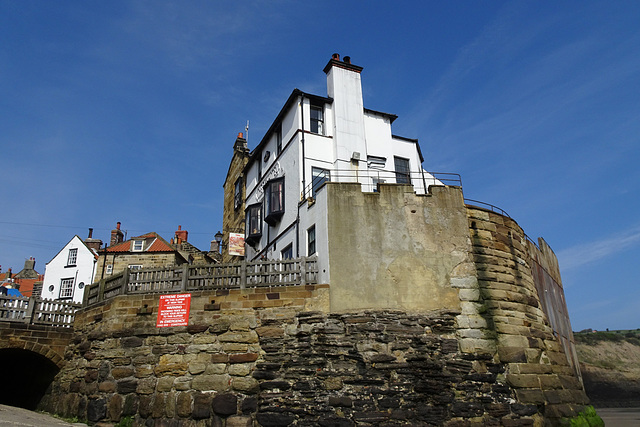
pixel 590 252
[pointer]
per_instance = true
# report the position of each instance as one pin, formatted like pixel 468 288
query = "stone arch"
pixel 27 345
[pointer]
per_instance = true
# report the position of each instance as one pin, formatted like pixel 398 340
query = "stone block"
pixel 239 421
pixel 243 357
pixel 225 404
pixel 146 385
pixel 215 368
pixel 183 405
pixel 240 369
pixel 201 406
pixel 211 382
pixel 469 294
pixel 165 384
pixel 532 396
pixel 245 384
pixel 122 372
pixel 181 383
pixel 523 380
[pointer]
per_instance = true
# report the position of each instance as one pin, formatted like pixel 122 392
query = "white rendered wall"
pixel 57 269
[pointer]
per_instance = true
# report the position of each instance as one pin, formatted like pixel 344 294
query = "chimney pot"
pixel 347 60
pixel 118 225
pixel 90 233
pixel 240 135
pixel 336 56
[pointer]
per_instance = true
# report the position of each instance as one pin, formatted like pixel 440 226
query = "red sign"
pixel 173 310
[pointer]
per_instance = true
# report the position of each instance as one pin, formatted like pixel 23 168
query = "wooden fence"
pixel 37 311
pixel 187 277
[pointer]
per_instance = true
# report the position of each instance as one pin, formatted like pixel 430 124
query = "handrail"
pixel 496 209
pixel 370 177
pixel 37 311
pixel 187 277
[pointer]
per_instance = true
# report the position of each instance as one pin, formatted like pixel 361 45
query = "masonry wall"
pixel 395 249
pixel 122 261
pixel 536 365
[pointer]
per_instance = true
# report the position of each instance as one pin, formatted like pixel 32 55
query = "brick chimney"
pixel 241 143
pixel 181 235
pixel 117 236
pixel 93 244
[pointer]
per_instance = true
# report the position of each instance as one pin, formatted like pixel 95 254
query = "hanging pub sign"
pixel 236 244
pixel 173 310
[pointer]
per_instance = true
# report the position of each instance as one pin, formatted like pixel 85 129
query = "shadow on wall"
pixel 25 377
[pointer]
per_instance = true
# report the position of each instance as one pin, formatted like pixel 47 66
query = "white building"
pixel 315 139
pixel 71 270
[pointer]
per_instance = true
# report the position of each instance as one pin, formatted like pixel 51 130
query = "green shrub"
pixel 125 422
pixel 586 418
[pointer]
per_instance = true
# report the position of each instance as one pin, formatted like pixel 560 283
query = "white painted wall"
pixel 82 272
pixel 347 129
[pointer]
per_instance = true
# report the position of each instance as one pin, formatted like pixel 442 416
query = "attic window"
pixel 317 120
pixel 73 257
pixel 137 246
pixel 237 194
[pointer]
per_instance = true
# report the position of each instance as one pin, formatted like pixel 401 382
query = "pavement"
pixel 11 416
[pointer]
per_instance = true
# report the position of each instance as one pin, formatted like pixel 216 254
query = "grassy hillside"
pixel 610 365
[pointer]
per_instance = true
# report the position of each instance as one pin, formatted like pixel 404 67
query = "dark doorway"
pixel 25 377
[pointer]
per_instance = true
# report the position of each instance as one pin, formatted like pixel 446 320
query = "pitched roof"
pixel 157 245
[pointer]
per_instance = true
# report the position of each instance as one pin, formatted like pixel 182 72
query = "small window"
pixel 318 178
pixel 317 120
pixel 254 223
pixel 279 140
pixel 311 240
pixel 274 200
pixel 287 253
pixel 73 257
pixel 66 288
pixel 109 269
pixel 402 170
pixel 135 266
pixel 137 245
pixel 237 194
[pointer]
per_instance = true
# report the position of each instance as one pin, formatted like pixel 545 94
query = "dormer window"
pixel 137 246
pixel 274 200
pixel 317 120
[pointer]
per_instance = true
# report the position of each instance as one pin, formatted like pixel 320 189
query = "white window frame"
pixel 318 177
pixel 135 243
pixel 72 258
pixel 66 288
pixel 109 269
pixel 316 123
pixel 403 176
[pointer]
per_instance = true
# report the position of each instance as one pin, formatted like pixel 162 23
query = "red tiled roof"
pixel 158 245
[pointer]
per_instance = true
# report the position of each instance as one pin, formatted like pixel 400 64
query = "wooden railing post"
pixel 29 314
pixel 125 282
pixel 303 270
pixel 185 277
pixel 101 290
pixel 243 274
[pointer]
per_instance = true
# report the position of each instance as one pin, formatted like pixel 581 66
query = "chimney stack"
pixel 93 244
pixel 241 143
pixel 117 236
pixel 181 235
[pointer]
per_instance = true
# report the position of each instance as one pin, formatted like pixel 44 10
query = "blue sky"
pixel 127 111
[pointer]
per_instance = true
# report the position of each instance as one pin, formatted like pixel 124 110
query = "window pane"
pixel 402 170
pixel 318 177
pixel 311 239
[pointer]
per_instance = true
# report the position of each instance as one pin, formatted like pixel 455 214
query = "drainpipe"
pixel 303 180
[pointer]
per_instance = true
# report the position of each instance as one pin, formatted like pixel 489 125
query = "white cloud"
pixel 580 255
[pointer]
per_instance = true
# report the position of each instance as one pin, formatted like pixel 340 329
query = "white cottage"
pixel 71 270
pixel 313 140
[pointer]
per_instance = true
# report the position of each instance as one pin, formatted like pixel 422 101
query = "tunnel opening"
pixel 25 377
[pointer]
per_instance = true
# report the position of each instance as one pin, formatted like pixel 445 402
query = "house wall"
pixel 233 219
pixel 122 261
pixel 82 272
pixel 396 250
